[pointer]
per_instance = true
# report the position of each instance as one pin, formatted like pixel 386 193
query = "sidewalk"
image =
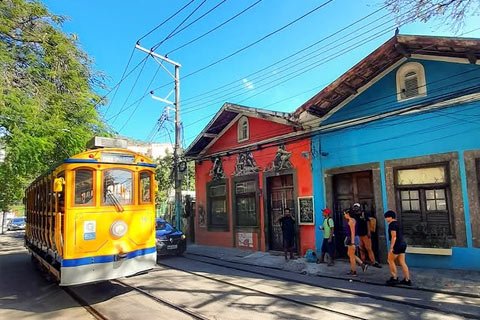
pixel 437 280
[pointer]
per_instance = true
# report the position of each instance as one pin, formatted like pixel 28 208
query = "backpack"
pixel 310 256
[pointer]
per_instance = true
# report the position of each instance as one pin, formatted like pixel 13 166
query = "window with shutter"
pixel 411 81
pixel 423 202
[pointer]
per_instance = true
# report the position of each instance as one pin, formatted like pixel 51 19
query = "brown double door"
pixel 350 188
pixel 280 196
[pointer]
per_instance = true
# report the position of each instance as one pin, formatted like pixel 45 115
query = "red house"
pixel 251 164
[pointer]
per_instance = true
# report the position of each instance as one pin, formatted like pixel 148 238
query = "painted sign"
pixel 305 210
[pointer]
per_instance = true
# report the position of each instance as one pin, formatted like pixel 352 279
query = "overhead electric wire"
pixel 123 74
pixel 212 30
pixel 173 33
pixel 131 90
pixel 194 21
pixel 319 54
pixel 139 102
pixel 165 21
pixel 235 82
pixel 410 105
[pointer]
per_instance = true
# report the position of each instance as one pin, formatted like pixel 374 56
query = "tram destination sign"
pixel 117 158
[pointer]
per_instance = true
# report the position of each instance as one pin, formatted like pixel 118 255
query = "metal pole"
pixel 176 158
pixel 178 140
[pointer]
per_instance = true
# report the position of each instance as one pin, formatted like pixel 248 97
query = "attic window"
pixel 411 81
pixel 243 129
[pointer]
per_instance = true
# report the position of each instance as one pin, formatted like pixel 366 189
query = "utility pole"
pixel 178 139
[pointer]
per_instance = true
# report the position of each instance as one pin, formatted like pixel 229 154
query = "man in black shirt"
pixel 288 229
pixel 397 251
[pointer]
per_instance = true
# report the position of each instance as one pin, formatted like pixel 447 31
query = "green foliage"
pixel 164 177
pixel 47 99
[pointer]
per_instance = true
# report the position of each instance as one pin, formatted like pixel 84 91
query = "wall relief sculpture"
pixel 281 160
pixel 245 164
pixel 217 172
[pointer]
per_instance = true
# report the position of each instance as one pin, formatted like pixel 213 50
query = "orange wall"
pixel 263 158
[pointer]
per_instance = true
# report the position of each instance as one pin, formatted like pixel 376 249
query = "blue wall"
pixel 452 129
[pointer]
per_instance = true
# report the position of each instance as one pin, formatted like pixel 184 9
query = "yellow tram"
pixel 92 218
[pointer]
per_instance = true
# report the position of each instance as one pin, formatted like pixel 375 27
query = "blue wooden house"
pixel 401 130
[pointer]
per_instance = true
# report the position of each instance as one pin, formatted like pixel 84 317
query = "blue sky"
pixel 108 30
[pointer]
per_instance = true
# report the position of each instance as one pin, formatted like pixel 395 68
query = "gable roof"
pixel 397 48
pixel 227 115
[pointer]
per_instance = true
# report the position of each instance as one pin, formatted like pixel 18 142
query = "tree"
pixel 47 94
pixel 451 12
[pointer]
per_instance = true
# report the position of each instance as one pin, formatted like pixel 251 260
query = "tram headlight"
pixel 118 229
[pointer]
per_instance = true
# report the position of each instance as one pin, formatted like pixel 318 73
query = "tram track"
pixel 90 309
pixel 230 265
pixel 166 302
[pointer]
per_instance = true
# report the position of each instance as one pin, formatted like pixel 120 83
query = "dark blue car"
pixel 169 239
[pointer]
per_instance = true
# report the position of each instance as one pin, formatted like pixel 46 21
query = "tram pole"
pixel 178 125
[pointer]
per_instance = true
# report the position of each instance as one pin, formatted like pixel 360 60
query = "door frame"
pixel 374 167
pixel 266 215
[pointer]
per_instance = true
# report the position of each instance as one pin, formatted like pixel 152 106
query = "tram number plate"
pixel 172 246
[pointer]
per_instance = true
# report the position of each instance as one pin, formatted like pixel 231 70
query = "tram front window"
pixel 117 187
pixel 83 187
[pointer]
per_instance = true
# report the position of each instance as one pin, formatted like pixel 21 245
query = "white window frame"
pixel 241 122
pixel 401 77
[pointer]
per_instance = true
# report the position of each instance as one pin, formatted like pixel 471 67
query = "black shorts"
pixel 400 248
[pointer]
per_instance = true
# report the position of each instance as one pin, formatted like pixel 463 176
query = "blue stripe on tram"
pixel 105 259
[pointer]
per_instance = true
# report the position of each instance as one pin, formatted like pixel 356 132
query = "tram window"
pixel 145 187
pixel 84 187
pixel 117 187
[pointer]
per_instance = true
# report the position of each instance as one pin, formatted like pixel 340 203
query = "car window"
pixel 162 225
pixel 18 220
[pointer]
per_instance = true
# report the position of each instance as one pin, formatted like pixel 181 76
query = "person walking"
pixel 288 229
pixel 398 246
pixel 365 235
pixel 328 244
pixel 352 241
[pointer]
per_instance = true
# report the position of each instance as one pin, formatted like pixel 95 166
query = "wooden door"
pixel 350 188
pixel 280 196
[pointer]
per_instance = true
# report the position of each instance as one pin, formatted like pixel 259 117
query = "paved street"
pixel 215 288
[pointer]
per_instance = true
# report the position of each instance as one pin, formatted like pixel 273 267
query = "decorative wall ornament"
pixel 202 221
pixel 245 164
pixel 281 160
pixel 217 172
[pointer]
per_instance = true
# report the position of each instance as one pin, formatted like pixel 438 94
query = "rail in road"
pixel 411 300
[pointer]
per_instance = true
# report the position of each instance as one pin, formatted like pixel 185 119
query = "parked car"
pixel 169 239
pixel 16 224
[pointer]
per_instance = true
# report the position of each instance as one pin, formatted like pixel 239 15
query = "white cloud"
pixel 248 84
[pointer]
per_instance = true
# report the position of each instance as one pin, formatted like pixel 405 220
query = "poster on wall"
pixel 202 221
pixel 245 239
pixel 306 214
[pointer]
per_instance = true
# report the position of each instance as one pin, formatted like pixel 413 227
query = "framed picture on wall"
pixel 305 211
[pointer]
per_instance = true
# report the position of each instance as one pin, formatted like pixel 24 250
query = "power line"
pixel 131 90
pixel 177 32
pixel 173 33
pixel 139 102
pixel 212 30
pixel 289 56
pixel 123 74
pixel 165 21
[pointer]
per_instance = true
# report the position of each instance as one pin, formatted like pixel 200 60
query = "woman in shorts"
pixel 397 251
pixel 352 241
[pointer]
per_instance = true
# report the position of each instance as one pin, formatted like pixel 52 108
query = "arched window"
pixel 242 129
pixel 411 81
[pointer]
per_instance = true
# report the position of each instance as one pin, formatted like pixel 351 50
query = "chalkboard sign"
pixel 305 210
